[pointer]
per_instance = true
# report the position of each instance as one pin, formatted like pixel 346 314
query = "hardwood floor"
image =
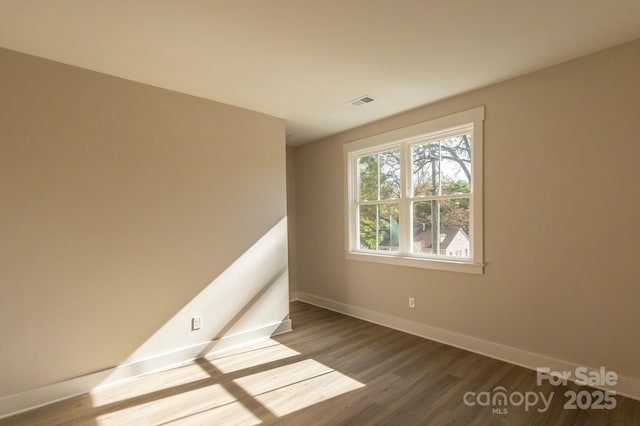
pixel 331 370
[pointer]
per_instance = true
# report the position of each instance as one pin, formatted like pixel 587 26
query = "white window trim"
pixel 436 128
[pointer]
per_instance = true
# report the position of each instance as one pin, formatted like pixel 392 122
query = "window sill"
pixel 414 262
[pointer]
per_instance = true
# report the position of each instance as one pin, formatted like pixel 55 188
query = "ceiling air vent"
pixel 362 100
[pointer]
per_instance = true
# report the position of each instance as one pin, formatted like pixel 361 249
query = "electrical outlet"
pixel 196 323
pixel 412 302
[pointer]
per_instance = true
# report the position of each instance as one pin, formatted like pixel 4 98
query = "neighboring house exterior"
pixel 453 242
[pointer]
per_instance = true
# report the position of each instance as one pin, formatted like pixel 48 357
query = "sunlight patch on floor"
pixel 253 358
pixel 227 415
pixel 148 383
pixel 292 387
pixel 213 399
pixel 196 394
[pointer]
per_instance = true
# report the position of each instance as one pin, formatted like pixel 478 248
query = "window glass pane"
pixel 379 227
pixel 388 220
pixel 389 174
pixel 454 227
pixel 423 232
pixel 451 237
pixel 379 176
pixel 455 165
pixel 442 167
pixel 368 178
pixel 368 226
pixel 425 161
pixel 454 213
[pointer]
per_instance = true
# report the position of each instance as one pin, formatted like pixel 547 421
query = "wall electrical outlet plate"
pixel 196 323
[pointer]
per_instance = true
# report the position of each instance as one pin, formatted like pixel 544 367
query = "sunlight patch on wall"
pixel 250 294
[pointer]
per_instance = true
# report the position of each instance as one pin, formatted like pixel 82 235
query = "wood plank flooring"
pixel 331 370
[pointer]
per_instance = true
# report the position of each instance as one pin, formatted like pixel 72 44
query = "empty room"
pixel 394 212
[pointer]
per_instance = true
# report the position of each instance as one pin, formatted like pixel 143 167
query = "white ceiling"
pixel 302 60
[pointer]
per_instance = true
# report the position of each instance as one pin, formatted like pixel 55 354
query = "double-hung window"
pixel 414 195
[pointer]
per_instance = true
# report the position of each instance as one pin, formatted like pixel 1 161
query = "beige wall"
pixel 561 206
pixel 291 219
pixel 121 205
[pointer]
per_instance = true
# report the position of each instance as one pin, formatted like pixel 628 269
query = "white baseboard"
pixel 33 398
pixel 626 386
pixel 293 296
